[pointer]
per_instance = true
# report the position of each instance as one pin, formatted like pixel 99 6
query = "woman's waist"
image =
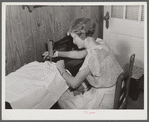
pixel 106 87
pixel 102 88
pixel 102 83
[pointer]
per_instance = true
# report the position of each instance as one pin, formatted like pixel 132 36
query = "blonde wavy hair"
pixel 83 27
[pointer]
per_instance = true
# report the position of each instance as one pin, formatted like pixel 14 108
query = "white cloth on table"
pixel 34 86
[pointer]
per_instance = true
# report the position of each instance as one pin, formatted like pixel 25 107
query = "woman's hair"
pixel 83 27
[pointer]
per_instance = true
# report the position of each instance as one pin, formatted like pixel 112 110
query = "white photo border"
pixel 73 114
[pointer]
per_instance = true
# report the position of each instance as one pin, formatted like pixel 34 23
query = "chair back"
pixel 122 86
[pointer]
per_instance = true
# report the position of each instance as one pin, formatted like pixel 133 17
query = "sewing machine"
pixel 66 44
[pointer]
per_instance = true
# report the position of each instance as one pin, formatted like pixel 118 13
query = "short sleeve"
pixel 93 61
pixel 85 63
pixel 94 65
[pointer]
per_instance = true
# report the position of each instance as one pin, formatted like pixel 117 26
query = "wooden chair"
pixel 122 86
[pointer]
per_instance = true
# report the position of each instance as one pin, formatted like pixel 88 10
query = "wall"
pixel 27 33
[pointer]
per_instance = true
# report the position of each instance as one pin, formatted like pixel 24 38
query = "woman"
pixel 100 69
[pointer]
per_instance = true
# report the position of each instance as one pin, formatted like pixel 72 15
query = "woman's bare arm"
pixel 76 54
pixel 74 82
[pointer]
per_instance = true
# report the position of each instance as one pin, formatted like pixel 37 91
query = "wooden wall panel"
pixel 27 33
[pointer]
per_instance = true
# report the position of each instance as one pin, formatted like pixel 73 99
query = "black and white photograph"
pixel 74 61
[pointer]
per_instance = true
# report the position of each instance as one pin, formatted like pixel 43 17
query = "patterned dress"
pixel 104 70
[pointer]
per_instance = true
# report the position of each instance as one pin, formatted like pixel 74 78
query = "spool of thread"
pixel 50 48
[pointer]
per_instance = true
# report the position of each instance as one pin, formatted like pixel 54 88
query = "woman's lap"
pixel 87 100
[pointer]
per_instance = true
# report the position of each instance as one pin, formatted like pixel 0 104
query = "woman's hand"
pixel 60 66
pixel 79 90
pixel 46 55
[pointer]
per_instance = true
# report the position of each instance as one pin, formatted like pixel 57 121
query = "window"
pixel 117 11
pixel 129 12
pixel 132 12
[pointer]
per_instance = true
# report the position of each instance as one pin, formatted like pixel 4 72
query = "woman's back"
pixel 103 65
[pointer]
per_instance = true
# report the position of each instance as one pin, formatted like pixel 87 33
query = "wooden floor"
pixel 138 104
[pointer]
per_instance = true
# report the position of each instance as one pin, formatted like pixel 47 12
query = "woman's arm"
pixel 76 54
pixel 76 81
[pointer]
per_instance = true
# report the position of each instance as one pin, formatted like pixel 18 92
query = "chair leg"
pixel 7 105
pixel 56 106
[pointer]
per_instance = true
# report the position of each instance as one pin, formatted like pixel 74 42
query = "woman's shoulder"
pixel 99 40
pixel 103 44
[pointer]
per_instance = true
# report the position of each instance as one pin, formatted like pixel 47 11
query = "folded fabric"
pixel 34 86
